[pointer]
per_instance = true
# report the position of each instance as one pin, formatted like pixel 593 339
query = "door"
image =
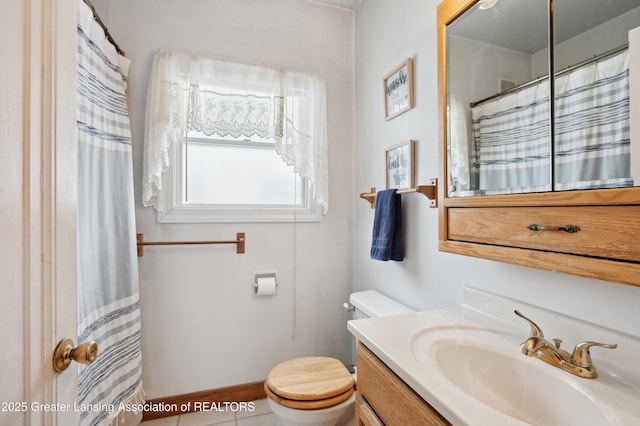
pixel 37 209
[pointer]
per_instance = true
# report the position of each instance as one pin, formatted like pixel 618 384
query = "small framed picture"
pixel 398 90
pixel 399 163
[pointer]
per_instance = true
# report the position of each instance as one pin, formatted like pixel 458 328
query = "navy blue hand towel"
pixel 387 242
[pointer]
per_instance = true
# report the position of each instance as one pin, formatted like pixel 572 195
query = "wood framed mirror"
pixel 537 131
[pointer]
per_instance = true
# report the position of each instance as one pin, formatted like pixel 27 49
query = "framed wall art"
pixel 399 163
pixel 398 90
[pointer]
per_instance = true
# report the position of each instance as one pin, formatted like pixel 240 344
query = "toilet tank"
pixel 370 303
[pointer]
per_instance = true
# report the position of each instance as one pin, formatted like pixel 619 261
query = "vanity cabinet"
pixel 548 222
pixel 610 231
pixel 365 416
pixel 384 399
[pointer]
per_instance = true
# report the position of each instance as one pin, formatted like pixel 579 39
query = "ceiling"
pixel 347 4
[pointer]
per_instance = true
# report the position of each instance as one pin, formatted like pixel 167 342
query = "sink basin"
pixel 488 367
pixel 510 385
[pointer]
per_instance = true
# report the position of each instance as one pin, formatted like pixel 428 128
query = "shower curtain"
pixel 511 142
pixel 108 302
pixel 592 143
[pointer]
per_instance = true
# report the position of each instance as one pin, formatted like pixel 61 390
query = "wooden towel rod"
pixel 430 191
pixel 239 241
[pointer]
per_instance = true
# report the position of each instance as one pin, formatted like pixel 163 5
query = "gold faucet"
pixel 578 363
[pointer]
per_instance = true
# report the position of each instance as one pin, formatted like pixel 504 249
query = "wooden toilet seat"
pixel 309 383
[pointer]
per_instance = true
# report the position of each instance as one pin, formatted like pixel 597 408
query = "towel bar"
pixel 239 241
pixel 430 191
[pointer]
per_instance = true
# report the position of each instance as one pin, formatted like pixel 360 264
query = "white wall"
pixel 384 37
pixel 202 327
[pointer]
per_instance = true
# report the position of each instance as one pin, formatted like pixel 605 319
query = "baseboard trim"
pixel 179 404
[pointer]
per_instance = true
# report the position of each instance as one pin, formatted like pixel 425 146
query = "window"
pixel 258 186
pixel 231 142
pixel 257 174
pixel 218 180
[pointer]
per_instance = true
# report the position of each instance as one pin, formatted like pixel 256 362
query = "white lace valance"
pixel 223 98
pixel 214 113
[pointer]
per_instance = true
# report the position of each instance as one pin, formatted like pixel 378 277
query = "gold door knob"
pixel 65 353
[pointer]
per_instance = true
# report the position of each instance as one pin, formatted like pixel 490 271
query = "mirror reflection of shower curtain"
pixel 108 300
pixel 592 133
pixel 511 141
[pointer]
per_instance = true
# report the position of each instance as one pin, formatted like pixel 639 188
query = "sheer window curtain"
pixel 458 145
pixel 223 98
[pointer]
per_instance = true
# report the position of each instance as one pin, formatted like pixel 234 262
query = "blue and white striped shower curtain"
pixel 511 139
pixel 511 142
pixel 108 300
pixel 592 135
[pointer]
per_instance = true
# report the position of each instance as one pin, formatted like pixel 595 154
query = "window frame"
pixel 175 210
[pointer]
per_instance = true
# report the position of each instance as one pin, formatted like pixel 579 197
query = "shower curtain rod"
pixel 104 27
pixel 595 58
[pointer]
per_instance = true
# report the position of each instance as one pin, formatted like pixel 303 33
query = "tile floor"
pixel 261 416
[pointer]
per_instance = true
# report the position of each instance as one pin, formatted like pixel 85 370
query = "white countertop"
pixel 396 341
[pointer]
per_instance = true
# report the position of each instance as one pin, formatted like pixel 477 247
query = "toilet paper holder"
pixel 260 276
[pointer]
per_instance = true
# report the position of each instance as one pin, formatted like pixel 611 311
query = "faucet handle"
pixel 535 330
pixel 581 356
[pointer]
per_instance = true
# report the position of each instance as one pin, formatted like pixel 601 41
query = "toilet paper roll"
pixel 265 286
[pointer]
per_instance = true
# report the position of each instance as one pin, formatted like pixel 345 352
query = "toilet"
pixel 317 390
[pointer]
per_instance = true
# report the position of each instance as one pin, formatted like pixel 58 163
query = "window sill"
pixel 235 214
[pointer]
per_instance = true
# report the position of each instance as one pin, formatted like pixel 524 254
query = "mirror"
pixel 503 134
